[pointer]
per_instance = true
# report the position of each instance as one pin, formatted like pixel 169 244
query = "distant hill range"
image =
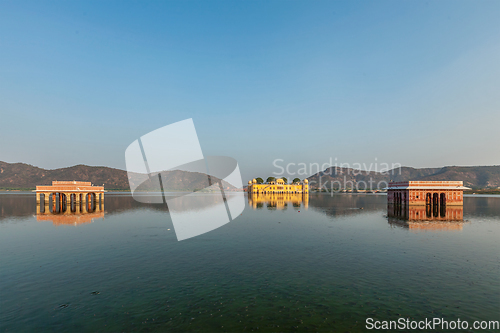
pixel 476 177
pixel 24 176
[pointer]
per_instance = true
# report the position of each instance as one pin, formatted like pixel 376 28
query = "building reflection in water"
pixel 69 212
pixel 428 217
pixel 278 201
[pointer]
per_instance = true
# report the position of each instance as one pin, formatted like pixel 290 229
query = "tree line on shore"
pixel 259 180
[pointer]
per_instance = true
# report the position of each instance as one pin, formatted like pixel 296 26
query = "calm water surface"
pixel 275 268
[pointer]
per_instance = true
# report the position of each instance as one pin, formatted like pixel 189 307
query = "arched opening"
pixel 42 202
pixel 435 199
pixel 442 199
pixel 428 199
pixel 51 202
pixel 87 202
pixel 63 202
pixel 91 202
pixel 72 199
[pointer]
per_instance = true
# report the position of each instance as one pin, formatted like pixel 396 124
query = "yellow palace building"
pixel 278 186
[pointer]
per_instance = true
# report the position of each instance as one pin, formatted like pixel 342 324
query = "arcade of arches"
pixel 69 197
pixel 436 193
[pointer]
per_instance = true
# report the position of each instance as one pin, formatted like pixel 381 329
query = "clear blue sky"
pixel 408 82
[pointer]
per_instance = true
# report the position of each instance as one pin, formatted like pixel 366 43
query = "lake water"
pixel 325 265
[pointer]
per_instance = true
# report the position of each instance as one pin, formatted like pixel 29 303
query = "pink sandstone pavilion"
pixel 443 193
pixel 70 191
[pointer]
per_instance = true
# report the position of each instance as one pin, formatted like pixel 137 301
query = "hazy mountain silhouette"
pixel 472 176
pixel 25 176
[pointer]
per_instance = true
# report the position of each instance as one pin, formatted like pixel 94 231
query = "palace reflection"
pixel 428 217
pixel 69 212
pixel 278 201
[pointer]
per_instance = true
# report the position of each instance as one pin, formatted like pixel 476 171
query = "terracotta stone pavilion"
pixel 442 193
pixel 69 192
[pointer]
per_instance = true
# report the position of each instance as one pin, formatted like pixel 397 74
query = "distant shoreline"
pixel 466 193
pixel 482 191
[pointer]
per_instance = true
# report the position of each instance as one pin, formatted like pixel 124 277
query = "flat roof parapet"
pixel 65 182
pixel 427 185
pixel 69 186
